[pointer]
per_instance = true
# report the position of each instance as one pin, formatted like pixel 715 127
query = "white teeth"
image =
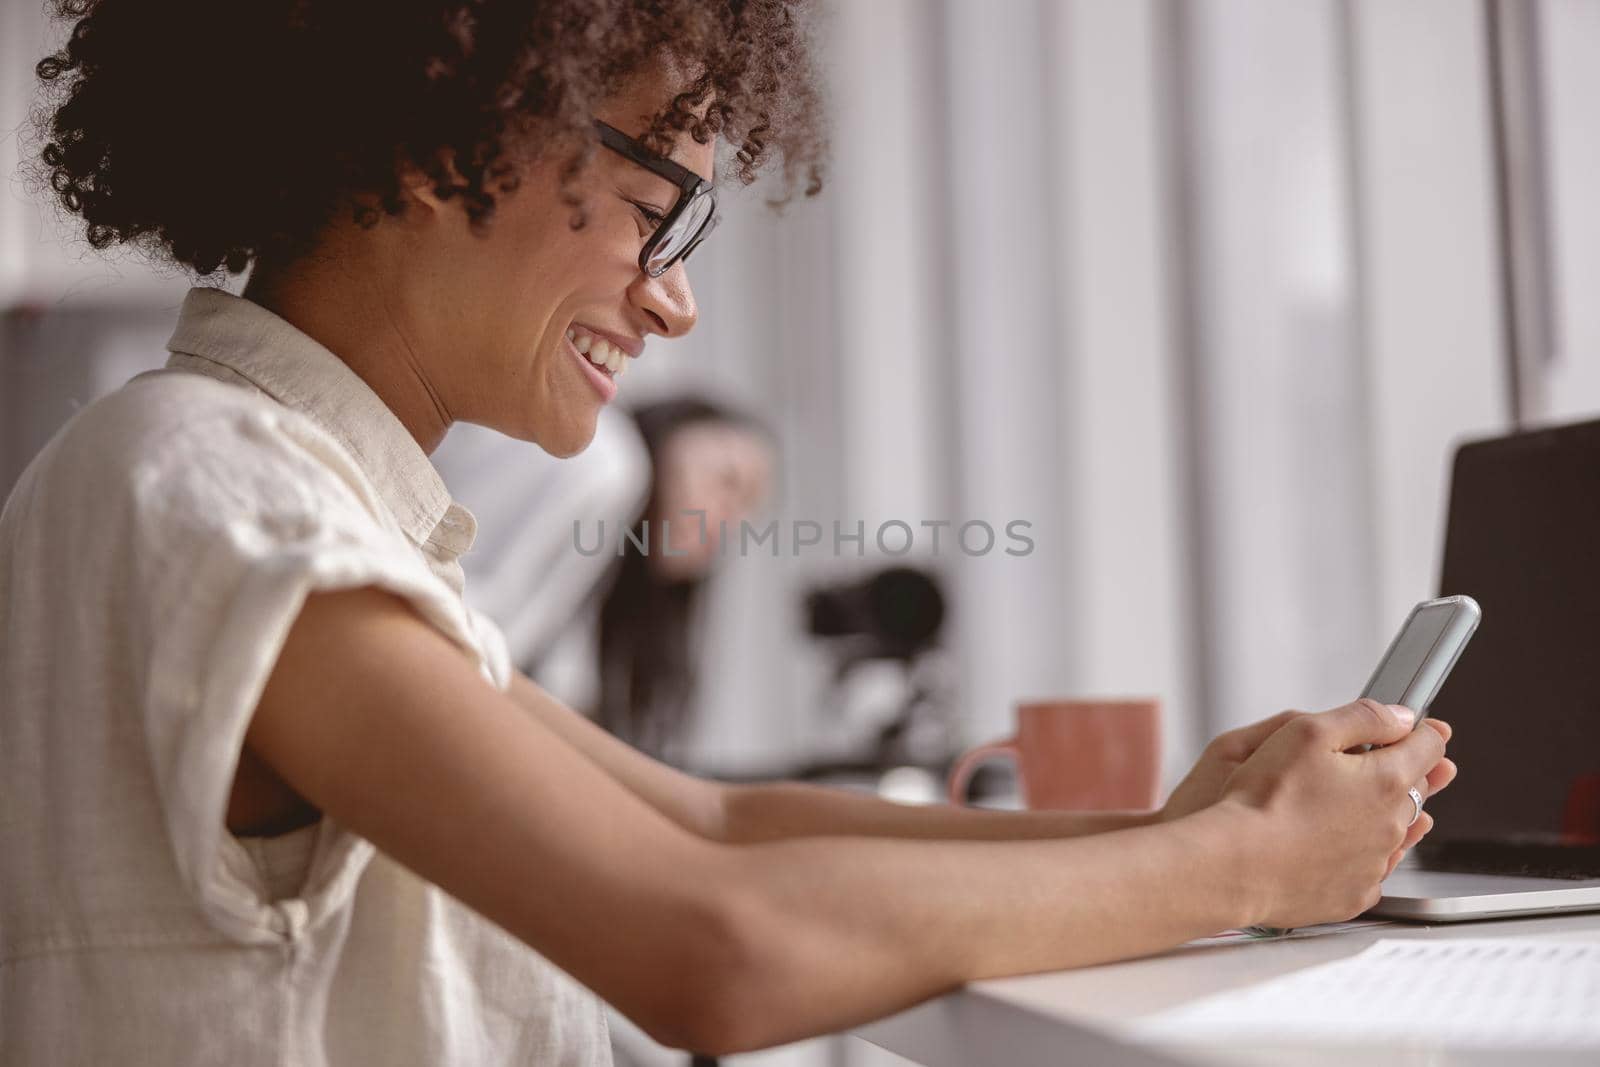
pixel 600 352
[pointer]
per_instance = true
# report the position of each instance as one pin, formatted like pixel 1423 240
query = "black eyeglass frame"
pixel 690 188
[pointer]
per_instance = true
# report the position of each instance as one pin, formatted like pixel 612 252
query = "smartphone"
pixel 1416 665
pixel 1422 653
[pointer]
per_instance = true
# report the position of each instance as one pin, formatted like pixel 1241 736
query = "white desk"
pixel 1078 1017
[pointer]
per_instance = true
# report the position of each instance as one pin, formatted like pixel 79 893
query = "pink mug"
pixel 1079 755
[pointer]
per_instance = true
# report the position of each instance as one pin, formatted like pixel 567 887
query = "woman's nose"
pixel 668 301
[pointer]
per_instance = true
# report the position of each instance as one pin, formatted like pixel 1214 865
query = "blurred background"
pixel 1204 291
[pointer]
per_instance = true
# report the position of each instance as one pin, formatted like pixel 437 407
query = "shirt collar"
pixel 218 332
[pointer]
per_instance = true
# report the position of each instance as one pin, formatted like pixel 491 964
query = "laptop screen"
pixel 1524 540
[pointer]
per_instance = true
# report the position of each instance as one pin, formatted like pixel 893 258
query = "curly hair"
pixel 220 133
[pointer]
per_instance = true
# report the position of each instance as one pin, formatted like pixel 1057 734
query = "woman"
pixel 710 468
pixel 272 795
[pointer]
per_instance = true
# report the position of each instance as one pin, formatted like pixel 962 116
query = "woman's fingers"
pixel 1413 804
pixel 1242 742
pixel 1416 832
pixel 1436 779
pixel 1420 823
pixel 1443 773
pixel 1411 757
pixel 1441 727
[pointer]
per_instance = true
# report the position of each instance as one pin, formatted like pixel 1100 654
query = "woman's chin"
pixel 567 437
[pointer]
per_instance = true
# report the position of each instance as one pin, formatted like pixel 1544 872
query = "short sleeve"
pixel 233 523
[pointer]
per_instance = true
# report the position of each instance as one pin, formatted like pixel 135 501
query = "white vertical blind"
pixel 1015 621
pixel 1569 45
pixel 1122 398
pixel 1339 264
pixel 1436 364
pixel 1277 401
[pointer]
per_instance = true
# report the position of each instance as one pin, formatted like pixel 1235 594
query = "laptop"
pixel 1518 832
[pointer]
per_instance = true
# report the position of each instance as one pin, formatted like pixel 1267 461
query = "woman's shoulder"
pixel 154 411
pixel 174 440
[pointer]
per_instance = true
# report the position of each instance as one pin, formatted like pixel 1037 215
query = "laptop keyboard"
pixel 1577 862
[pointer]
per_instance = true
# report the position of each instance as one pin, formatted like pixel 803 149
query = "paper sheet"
pixel 1479 992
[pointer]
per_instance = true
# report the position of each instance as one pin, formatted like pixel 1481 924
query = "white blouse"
pixel 152 559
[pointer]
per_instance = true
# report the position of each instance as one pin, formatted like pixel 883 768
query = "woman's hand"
pixel 1326 823
pixel 1203 785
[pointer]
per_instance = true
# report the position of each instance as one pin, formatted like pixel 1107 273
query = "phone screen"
pixel 1410 671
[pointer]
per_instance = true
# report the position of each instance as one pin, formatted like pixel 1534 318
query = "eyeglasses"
pixel 691 219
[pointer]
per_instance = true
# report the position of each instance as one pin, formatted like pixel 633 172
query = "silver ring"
pixel 1416 800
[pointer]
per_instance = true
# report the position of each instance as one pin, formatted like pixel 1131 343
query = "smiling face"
pixel 487 316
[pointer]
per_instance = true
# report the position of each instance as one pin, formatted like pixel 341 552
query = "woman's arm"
pixel 768 811
pixel 695 804
pixel 383 724
pixel 778 810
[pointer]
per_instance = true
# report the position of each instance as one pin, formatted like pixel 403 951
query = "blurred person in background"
pixel 271 791
pixel 712 467
pixel 610 623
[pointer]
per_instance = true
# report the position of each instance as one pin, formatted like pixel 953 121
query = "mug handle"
pixel 961 773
